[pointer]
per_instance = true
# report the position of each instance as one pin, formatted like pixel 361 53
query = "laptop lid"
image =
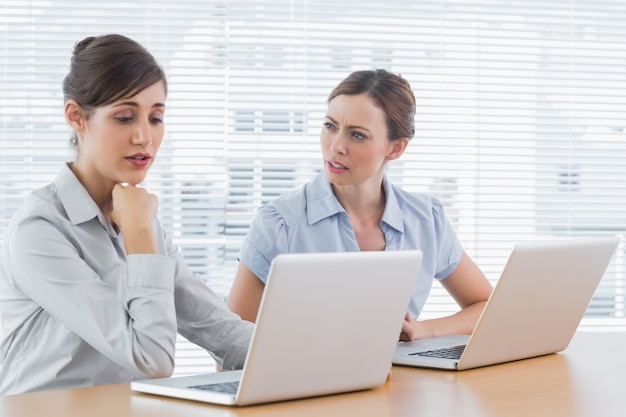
pixel 534 309
pixel 315 308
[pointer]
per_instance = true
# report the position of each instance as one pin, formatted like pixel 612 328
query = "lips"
pixel 139 160
pixel 336 167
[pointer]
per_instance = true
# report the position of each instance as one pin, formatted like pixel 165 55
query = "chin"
pixel 134 179
pixel 332 178
pixel 336 179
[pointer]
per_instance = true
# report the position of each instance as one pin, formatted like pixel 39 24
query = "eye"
pixel 359 135
pixel 124 116
pixel 156 117
pixel 329 126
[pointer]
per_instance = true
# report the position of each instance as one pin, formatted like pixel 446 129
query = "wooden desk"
pixel 587 379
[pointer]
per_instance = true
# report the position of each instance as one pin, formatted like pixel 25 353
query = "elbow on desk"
pixel 152 357
pixel 162 368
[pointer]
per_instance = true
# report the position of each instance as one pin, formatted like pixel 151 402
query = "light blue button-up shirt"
pixel 77 311
pixel 311 219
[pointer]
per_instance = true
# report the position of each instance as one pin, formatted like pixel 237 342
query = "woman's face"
pixel 354 141
pixel 119 141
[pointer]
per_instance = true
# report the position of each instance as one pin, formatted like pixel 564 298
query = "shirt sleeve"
pixel 138 333
pixel 449 248
pixel 205 320
pixel 266 238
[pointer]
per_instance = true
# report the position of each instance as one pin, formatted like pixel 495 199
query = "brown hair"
pixel 107 68
pixel 391 93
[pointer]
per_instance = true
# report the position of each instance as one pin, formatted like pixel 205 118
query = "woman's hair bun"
pixel 82 45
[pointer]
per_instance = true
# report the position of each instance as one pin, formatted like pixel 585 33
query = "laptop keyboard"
pixel 453 352
pixel 225 387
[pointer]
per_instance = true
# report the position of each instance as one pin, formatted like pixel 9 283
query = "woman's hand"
pixel 470 289
pixel 413 329
pixel 134 211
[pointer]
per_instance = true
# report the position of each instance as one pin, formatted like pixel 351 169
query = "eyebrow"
pixel 134 104
pixel 351 126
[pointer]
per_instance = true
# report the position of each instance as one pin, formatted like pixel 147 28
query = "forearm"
pixel 139 240
pixel 462 322
pixel 204 320
pixel 137 333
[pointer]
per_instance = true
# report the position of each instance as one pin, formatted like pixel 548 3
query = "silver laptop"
pixel 315 309
pixel 534 309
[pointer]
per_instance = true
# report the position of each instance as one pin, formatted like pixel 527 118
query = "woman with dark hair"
pixel 351 206
pixel 92 289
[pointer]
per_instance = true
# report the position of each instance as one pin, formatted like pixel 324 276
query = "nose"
pixel 142 134
pixel 338 144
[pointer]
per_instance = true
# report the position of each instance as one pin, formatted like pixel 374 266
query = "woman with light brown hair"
pixel 352 206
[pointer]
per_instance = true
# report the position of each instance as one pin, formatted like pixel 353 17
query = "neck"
pixel 98 190
pixel 362 202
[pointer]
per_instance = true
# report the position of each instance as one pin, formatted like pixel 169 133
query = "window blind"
pixel 520 126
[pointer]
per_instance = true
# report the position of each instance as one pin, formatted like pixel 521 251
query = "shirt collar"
pixel 393 213
pixel 322 203
pixel 320 200
pixel 75 199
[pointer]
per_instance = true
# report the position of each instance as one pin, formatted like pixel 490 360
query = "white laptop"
pixel 534 309
pixel 315 309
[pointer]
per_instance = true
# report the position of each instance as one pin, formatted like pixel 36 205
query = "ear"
pixel 74 116
pixel 397 148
